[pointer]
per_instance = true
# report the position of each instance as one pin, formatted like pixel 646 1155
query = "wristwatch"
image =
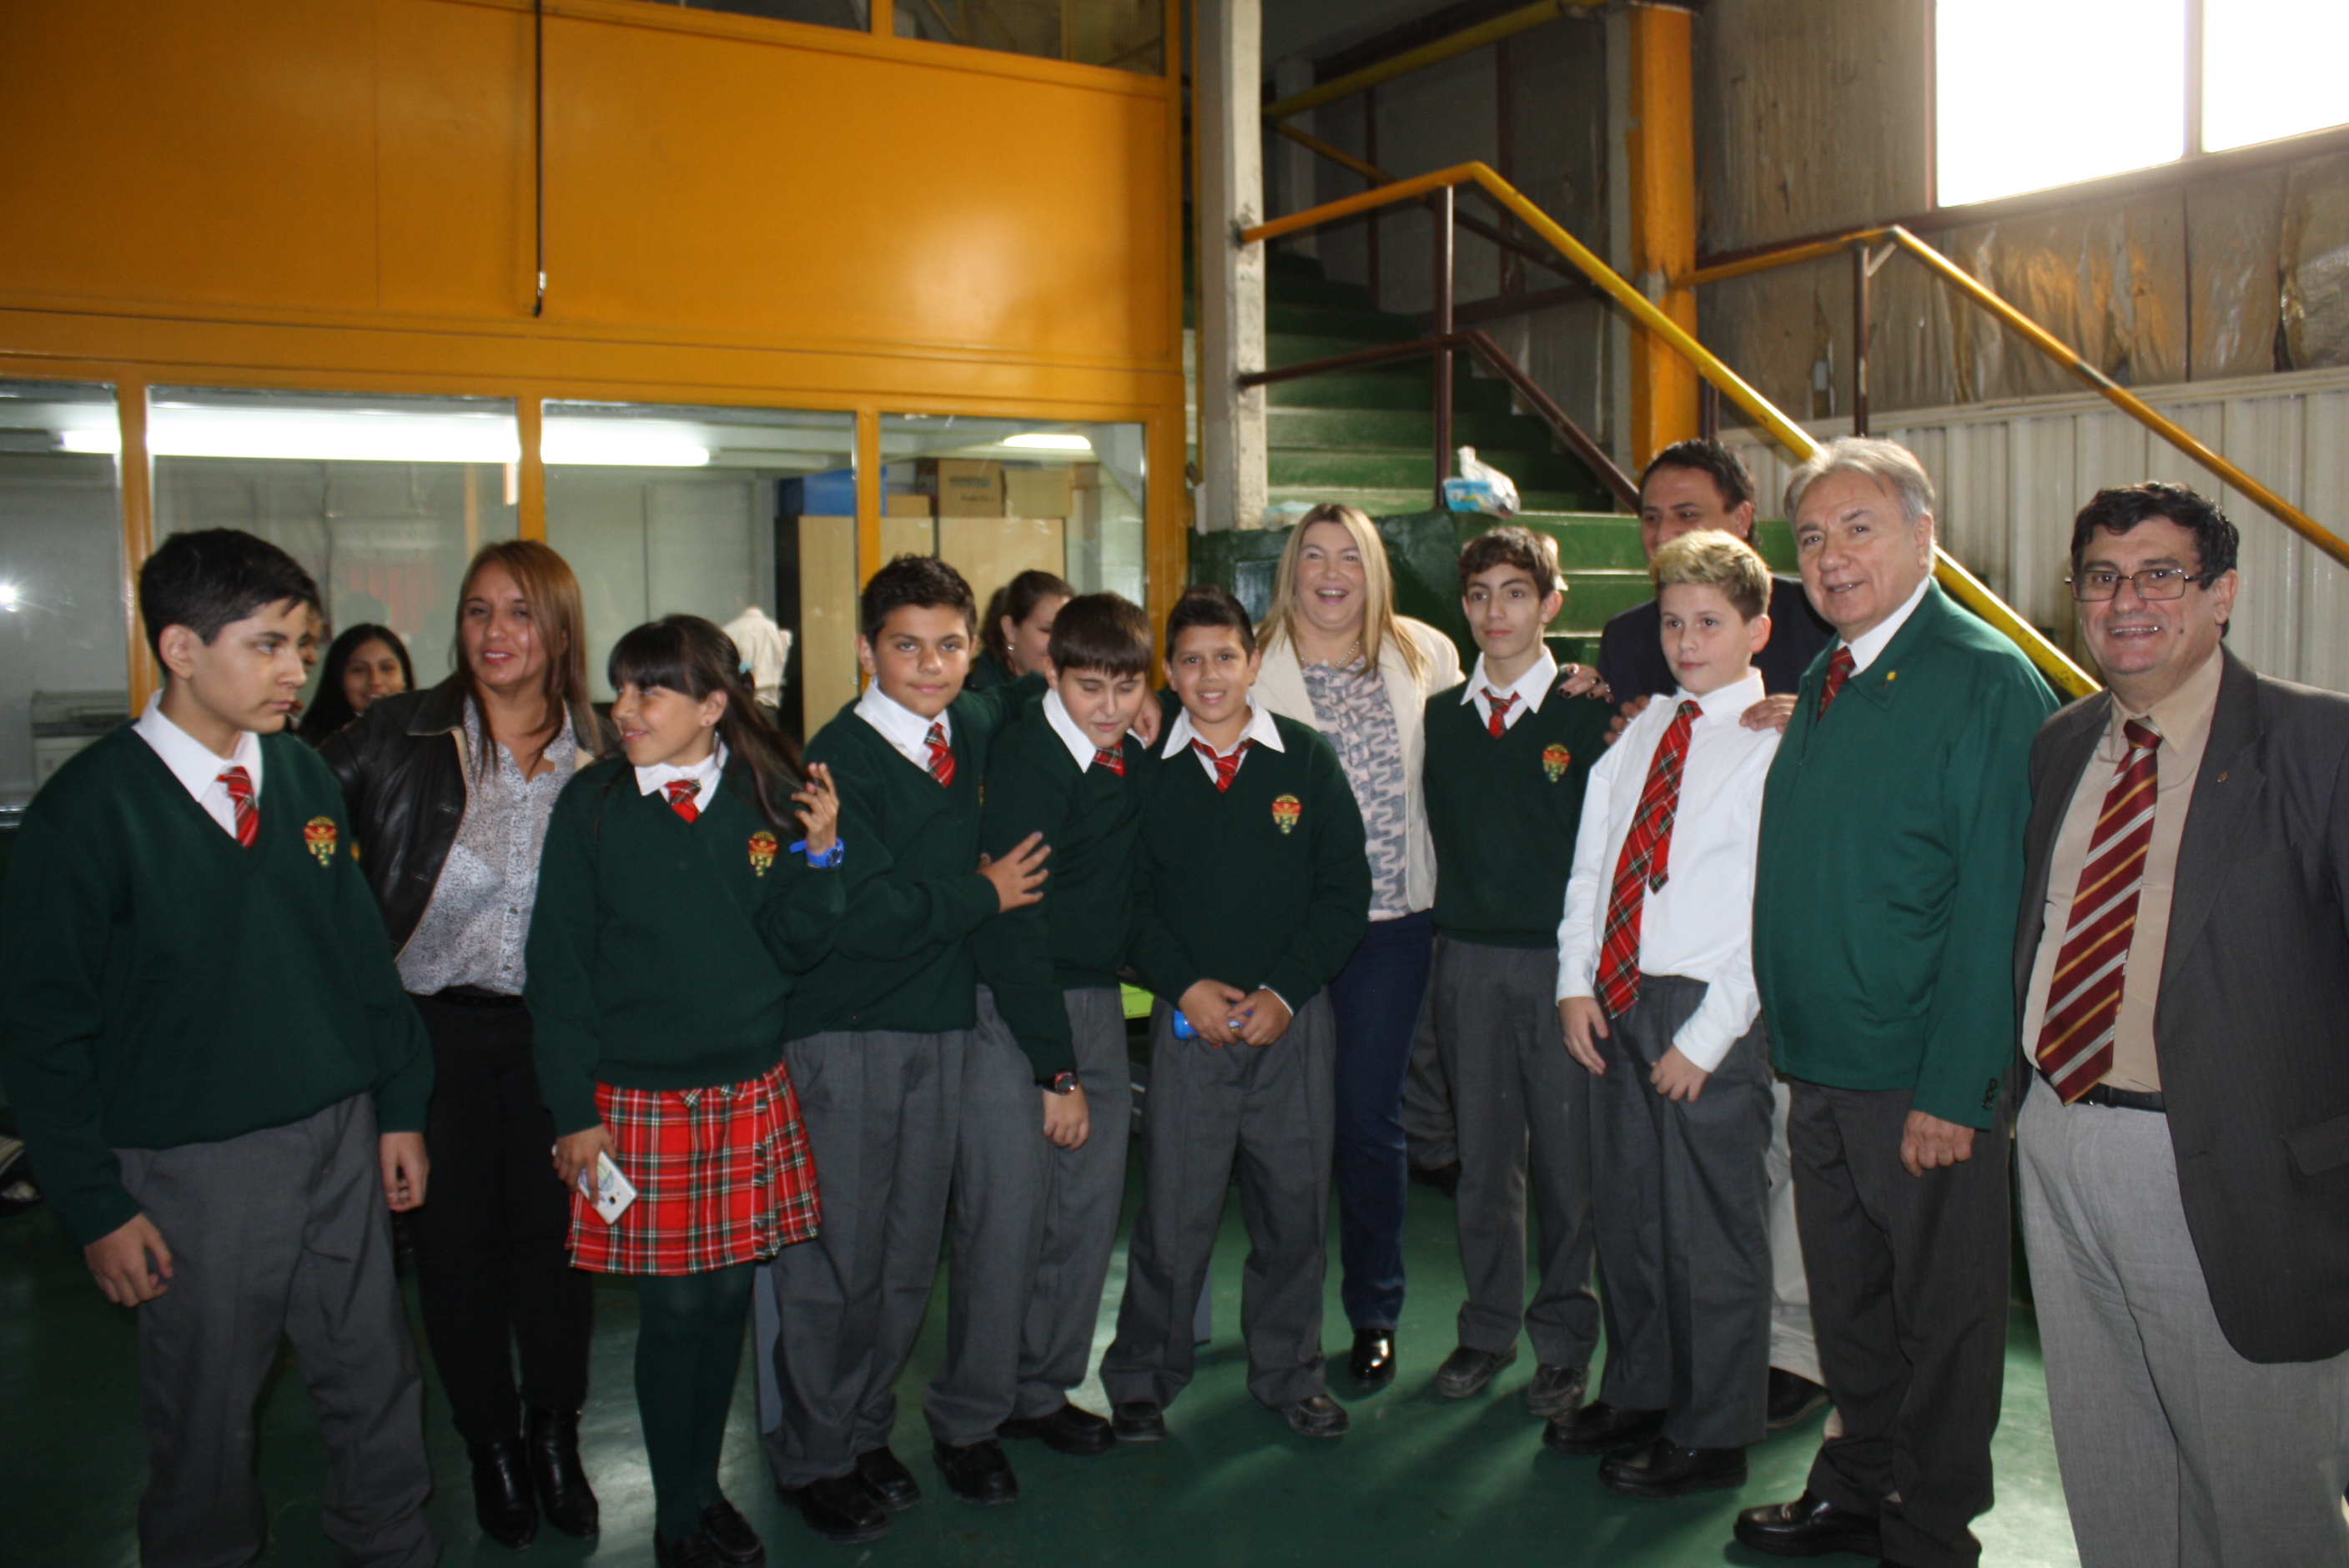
pixel 829 859
pixel 1061 1083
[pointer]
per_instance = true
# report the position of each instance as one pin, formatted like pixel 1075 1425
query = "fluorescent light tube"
pixel 1043 443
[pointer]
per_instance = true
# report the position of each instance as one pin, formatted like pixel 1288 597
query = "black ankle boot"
pixel 563 1495
pixel 502 1497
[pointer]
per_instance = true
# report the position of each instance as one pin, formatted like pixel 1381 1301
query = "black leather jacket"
pixel 403 771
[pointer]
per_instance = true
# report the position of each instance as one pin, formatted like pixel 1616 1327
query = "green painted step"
pixel 1380 468
pixel 1403 387
pixel 1391 429
pixel 1389 503
pixel 1367 326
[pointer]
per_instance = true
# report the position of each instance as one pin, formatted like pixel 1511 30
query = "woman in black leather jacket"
pixel 450 790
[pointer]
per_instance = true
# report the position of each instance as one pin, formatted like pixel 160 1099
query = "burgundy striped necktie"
pixel 1498 721
pixel 239 785
pixel 2083 994
pixel 1840 664
pixel 681 794
pixel 1643 866
pixel 1226 767
pixel 941 754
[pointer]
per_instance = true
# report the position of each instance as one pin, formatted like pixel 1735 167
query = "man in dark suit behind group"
pixel 2183 963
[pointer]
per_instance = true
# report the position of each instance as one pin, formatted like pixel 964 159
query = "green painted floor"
pixel 1422 1480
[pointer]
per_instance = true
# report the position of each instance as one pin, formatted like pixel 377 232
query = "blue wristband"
pixel 829 859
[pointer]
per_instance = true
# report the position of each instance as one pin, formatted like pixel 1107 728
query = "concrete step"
pixel 1399 429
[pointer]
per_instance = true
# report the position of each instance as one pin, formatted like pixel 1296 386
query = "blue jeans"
pixel 1376 998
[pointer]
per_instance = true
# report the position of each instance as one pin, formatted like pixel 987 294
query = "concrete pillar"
pixel 1227 139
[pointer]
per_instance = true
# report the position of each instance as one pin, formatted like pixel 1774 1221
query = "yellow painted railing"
pixel 1955 580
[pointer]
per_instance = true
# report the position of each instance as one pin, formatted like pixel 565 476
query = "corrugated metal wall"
pixel 2013 476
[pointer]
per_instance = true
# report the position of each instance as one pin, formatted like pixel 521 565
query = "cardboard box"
pixel 1037 493
pixel 908 506
pixel 963 487
pixel 991 551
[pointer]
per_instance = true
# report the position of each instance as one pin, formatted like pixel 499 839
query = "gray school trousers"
pixel 1031 1226
pixel 1273 1111
pixel 279 1231
pixel 847 1304
pixel 1680 1210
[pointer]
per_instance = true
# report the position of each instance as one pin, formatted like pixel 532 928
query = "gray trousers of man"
pixel 282 1232
pixel 880 1109
pixel 1908 1288
pixel 1272 1110
pixel 1681 1213
pixel 2176 1451
pixel 1521 1104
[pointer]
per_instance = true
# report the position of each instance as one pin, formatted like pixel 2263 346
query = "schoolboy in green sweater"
pixel 1508 757
pixel 1251 885
pixel 216 1070
pixel 877 1034
pixel 1037 1197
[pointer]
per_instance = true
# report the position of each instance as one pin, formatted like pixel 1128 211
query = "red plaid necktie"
pixel 1838 671
pixel 2084 995
pixel 941 754
pixel 1498 721
pixel 239 785
pixel 1112 760
pixel 1642 869
pixel 1226 767
pixel 681 792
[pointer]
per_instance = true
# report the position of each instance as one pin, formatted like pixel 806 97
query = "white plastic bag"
pixel 1480 488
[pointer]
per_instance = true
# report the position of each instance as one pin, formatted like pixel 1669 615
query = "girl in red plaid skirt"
pixel 672 919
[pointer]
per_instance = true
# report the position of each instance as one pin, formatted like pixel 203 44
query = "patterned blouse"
pixel 472 931
pixel 1350 706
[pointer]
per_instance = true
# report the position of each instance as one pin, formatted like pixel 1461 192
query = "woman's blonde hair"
pixel 552 589
pixel 1380 625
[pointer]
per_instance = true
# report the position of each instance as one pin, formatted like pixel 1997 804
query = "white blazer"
pixel 1280 686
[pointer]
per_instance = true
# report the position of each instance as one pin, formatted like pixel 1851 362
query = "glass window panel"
pixel 853 14
pixel 2271 69
pixel 383 498
pixel 65 673
pixel 716 512
pixel 1126 35
pixel 2010 115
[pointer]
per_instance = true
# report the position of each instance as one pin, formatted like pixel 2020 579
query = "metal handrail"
pixel 1956 580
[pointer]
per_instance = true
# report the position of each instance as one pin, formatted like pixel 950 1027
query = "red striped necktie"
pixel 1840 664
pixel 2083 994
pixel 1498 721
pixel 239 785
pixel 1226 767
pixel 1642 868
pixel 1112 760
pixel 681 794
pixel 941 754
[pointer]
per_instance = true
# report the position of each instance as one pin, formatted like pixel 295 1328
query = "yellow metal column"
pixel 529 491
pixel 868 495
pixel 136 477
pixel 1661 147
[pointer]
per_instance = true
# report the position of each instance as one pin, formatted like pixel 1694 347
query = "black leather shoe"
pixel 1069 1431
pixel 1320 1416
pixel 1466 1371
pixel 1138 1421
pixel 1810 1526
pixel 564 1494
pixel 1372 1364
pixel 1792 1398
pixel 1598 1427
pixel 1445 1179
pixel 1664 1469
pixel 978 1472
pixel 731 1537
pixel 885 1475
pixel 503 1503
pixel 839 1508
pixel 1556 1390
pixel 693 1551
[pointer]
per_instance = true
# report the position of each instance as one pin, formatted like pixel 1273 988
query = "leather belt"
pixel 476 996
pixel 2123 1098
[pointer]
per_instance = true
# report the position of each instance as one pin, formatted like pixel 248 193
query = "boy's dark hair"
pixel 1207 604
pixel 2122 507
pixel 208 578
pixel 1015 601
pixel 923 582
pixel 689 655
pixel 1729 475
pixel 1534 554
pixel 1103 632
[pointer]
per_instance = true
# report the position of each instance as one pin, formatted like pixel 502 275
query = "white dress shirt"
pixel 1700 924
pixel 1082 748
pixel 196 766
pixel 1870 642
pixel 707 772
pixel 1261 729
pixel 1530 689
pixel 901 726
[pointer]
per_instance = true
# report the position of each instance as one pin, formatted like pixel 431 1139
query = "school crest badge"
pixel 1556 761
pixel 318 833
pixel 1286 810
pixel 763 846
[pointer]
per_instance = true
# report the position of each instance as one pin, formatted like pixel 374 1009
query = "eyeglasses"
pixel 2155 582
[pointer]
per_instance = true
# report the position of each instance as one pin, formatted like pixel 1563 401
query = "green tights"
pixel 688 1352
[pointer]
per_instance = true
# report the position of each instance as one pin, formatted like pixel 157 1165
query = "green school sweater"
pixel 662 952
pixel 1504 813
pixel 161 985
pixel 901 957
pixel 1077 937
pixel 1890 868
pixel 1265 884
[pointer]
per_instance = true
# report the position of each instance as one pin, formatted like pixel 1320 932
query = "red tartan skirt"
pixel 723 1176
